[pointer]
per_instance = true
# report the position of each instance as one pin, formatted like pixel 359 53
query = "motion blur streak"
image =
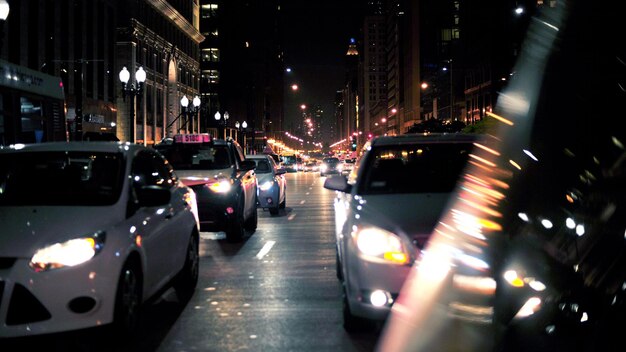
pixel 421 306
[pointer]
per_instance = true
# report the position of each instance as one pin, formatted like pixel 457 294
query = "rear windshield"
pixel 196 156
pixel 60 178
pixel 262 166
pixel 418 168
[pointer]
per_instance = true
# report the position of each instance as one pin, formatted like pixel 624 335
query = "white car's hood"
pixel 28 228
pixel 262 178
pixel 413 214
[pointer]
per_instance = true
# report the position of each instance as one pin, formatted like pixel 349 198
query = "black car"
pixel 223 179
pixel 330 166
pixel 531 254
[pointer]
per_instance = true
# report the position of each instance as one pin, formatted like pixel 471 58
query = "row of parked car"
pixel 91 230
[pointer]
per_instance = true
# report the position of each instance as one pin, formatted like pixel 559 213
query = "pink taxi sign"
pixel 192 138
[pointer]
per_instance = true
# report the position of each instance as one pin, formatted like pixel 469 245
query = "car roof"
pixel 106 147
pixel 425 138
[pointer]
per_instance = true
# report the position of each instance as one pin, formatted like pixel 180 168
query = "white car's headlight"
pixel 220 186
pixel 266 185
pixel 376 244
pixel 70 253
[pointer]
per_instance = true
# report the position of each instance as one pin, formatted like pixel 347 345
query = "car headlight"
pixel 220 186
pixel 266 185
pixel 70 253
pixel 376 244
pixel 323 168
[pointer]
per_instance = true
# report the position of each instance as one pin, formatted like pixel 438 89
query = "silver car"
pixel 272 186
pixel 384 213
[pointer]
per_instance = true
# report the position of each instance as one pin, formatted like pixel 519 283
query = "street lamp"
pixel 190 112
pixel 134 89
pixel 4 14
pixel 244 125
pixel 218 116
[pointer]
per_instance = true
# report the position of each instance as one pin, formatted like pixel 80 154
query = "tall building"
pixel 210 63
pixel 161 37
pixel 403 70
pixel 87 43
pixel 375 67
pixel 251 66
pixel 350 93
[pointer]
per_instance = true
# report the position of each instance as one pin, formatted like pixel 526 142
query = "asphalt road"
pixel 274 291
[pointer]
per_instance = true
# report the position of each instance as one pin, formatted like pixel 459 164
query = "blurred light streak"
pixel 482 167
pixel 515 164
pixel 500 118
pixel 468 224
pixel 487 149
pixel 475 179
pixel 530 155
pixel 549 25
pixel 484 161
pixel 482 208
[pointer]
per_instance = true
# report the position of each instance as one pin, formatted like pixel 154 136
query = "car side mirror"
pixel 153 196
pixel 281 171
pixel 338 183
pixel 247 165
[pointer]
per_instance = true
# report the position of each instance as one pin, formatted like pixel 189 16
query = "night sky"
pixel 316 37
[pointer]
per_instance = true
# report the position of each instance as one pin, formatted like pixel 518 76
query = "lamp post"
pixel 134 89
pixel 244 125
pixel 218 117
pixel 190 112
pixel 4 14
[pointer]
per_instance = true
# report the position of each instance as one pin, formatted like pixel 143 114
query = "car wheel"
pixel 188 277
pixel 283 204
pixel 353 323
pixel 253 221
pixel 128 300
pixel 235 230
pixel 274 211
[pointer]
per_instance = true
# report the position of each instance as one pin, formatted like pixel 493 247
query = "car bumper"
pixel 215 211
pixel 363 278
pixel 269 199
pixel 58 300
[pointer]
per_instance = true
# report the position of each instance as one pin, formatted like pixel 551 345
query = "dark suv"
pixel 330 166
pixel 224 181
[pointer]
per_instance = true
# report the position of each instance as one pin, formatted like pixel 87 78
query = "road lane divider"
pixel 266 249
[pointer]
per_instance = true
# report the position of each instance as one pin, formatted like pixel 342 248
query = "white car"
pixel 272 185
pixel 90 231
pixel 384 213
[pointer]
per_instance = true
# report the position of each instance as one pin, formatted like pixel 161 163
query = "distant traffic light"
pixel 353 143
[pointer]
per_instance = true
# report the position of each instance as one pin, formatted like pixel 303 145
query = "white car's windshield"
pixel 417 168
pixel 60 178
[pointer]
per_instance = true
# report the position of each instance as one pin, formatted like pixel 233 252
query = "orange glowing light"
pixel 138 240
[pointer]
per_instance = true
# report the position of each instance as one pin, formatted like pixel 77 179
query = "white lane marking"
pixel 290 217
pixel 266 249
pixel 303 201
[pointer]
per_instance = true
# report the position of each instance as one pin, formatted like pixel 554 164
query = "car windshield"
pixel 60 178
pixel 262 166
pixel 196 156
pixel 417 168
pixel 331 160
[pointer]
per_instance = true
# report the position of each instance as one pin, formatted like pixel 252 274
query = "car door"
pixel 248 183
pixel 163 239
